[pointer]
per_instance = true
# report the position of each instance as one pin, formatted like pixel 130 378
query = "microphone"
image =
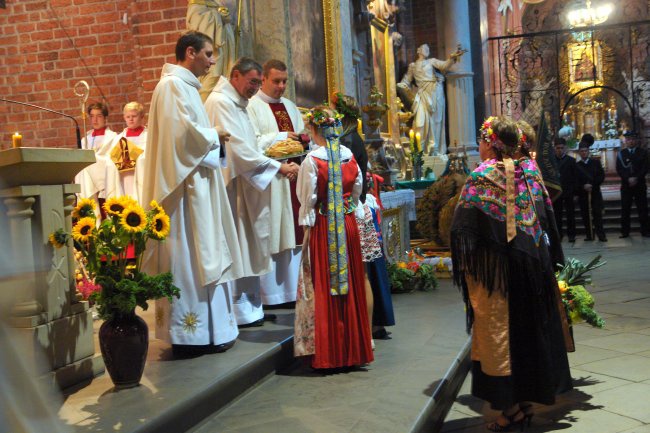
pixel 49 111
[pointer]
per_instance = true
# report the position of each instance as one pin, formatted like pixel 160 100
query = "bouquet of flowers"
pixel 611 129
pixel 411 275
pixel 572 279
pixel 112 280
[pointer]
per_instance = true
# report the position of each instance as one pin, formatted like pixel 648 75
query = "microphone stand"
pixel 49 111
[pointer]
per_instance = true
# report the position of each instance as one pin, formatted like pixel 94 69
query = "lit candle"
pixel 17 140
pixel 411 135
pixel 417 141
pixel 359 126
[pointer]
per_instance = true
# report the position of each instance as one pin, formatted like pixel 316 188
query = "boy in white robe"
pixel 276 118
pixel 248 174
pixel 92 177
pixel 181 172
pixel 119 183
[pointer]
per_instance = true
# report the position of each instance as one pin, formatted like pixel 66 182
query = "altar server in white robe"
pixel 276 118
pixel 248 174
pixel 182 173
pixel 119 183
pixel 99 139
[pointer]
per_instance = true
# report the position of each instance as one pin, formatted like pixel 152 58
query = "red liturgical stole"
pixel 281 117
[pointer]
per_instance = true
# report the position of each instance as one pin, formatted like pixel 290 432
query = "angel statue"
pixel 429 102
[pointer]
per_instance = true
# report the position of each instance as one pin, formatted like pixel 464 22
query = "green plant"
pixel 572 278
pixel 114 281
pixel 406 277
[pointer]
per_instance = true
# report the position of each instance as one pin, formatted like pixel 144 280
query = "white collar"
pixel 225 87
pixel 266 98
pixel 321 153
pixel 181 72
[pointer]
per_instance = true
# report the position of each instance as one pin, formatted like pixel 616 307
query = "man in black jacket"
pixel 632 167
pixel 567 168
pixel 590 175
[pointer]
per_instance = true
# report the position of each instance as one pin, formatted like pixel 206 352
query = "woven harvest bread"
pixel 284 148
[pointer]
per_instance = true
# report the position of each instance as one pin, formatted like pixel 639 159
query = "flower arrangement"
pixel 572 279
pixel 611 129
pixel 411 275
pixel 114 282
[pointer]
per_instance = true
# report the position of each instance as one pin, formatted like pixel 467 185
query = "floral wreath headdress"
pixel 488 134
pixel 322 119
pixel 344 109
pixel 523 140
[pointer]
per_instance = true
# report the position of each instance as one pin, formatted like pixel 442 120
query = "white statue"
pixel 213 19
pixel 429 103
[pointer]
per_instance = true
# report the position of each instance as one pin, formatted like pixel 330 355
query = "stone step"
pixel 409 387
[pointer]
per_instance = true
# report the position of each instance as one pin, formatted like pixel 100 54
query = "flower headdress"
pixel 523 140
pixel 344 109
pixel 322 119
pixel 488 134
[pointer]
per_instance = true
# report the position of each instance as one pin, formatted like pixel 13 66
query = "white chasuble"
pixel 248 174
pixel 202 250
pixel 280 285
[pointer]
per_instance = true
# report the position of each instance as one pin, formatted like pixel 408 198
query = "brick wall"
pixel 117 46
pixel 417 24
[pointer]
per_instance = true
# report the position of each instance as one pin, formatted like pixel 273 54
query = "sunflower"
pixel 84 208
pixel 133 219
pixel 59 238
pixel 83 230
pixel 114 206
pixel 156 207
pixel 159 226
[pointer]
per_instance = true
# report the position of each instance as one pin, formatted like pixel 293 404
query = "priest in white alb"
pixel 248 174
pixel 275 119
pixel 182 173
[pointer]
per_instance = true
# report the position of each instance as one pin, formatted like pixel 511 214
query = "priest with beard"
pixel 248 174
pixel 182 174
pixel 276 118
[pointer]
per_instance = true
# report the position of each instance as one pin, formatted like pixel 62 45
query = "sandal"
pixel 527 409
pixel 516 418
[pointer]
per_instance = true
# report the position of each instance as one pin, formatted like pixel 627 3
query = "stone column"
pixel 19 213
pixel 460 84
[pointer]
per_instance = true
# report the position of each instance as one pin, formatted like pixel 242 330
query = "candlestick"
pixel 411 135
pixel 417 141
pixel 17 140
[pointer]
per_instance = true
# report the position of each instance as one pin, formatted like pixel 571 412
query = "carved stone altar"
pixel 36 198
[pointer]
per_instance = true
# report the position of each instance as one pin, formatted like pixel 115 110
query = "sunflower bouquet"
pixel 112 253
pixel 572 279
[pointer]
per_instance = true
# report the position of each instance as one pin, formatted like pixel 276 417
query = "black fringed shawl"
pixel 479 244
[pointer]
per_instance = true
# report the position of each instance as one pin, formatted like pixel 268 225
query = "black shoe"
pixel 645 235
pixel 219 348
pixel 254 324
pixel 589 239
pixel 572 240
pixel 381 334
pixel 624 235
pixel 270 317
pixel 602 238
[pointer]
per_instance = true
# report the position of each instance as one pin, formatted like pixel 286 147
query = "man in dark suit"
pixel 567 168
pixel 632 167
pixel 590 175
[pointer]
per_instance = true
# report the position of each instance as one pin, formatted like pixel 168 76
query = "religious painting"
pixel 391 228
pixel 585 63
pixel 308 52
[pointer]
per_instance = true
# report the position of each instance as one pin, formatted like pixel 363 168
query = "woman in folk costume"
pixel 378 296
pixel 505 246
pixel 329 185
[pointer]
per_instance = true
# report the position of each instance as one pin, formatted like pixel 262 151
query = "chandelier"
pixel 589 16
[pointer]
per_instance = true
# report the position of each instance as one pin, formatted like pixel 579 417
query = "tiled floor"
pixel 611 367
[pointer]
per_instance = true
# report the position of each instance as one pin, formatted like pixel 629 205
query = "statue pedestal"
pixel 436 163
pixel 36 198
